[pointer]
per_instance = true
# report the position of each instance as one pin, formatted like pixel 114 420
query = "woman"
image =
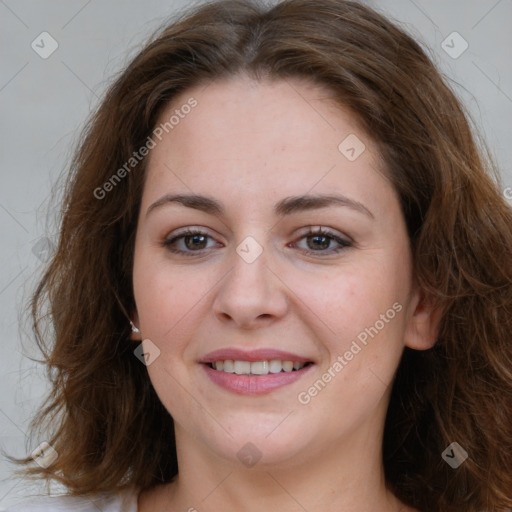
pixel 286 212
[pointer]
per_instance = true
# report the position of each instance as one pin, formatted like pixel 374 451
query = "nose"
pixel 251 295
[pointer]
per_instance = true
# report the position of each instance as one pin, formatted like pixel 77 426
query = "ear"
pixel 135 336
pixel 423 323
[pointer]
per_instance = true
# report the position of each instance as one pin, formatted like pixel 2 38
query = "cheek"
pixel 362 309
pixel 353 296
pixel 372 341
pixel 163 292
pixel 172 302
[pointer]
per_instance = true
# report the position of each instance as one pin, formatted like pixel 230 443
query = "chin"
pixel 255 445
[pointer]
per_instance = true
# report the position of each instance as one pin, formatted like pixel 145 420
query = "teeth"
pixel 287 366
pixel 259 368
pixel 242 367
pixel 275 366
pixel 256 367
pixel 229 367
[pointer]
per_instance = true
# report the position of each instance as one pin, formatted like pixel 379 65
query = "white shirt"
pixel 120 501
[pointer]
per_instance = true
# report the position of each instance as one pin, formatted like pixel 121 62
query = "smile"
pixel 257 367
pixel 256 371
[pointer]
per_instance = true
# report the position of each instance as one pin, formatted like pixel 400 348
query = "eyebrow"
pixel 286 206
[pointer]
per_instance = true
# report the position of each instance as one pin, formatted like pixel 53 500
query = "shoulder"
pixel 117 501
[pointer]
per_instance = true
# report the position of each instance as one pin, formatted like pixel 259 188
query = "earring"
pixel 134 329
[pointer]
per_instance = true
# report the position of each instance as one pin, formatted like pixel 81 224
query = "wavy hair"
pixel 103 416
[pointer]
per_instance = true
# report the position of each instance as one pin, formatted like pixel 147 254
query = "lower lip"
pixel 254 384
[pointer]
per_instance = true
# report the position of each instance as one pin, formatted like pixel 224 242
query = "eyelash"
pixel 319 232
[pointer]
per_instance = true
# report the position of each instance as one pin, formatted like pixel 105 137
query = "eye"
pixel 320 239
pixel 193 240
pixel 318 242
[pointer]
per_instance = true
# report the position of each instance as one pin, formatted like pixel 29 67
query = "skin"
pixel 250 144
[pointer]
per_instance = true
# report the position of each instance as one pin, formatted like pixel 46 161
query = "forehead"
pixel 275 115
pixel 277 138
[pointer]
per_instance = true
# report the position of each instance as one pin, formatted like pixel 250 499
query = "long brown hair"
pixel 103 416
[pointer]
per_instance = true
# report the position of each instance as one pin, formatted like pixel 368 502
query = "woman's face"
pixel 255 286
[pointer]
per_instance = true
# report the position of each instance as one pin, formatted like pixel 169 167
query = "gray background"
pixel 44 103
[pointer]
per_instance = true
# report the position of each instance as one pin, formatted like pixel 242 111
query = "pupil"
pixel 325 244
pixel 194 237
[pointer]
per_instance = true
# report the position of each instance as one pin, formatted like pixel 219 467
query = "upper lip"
pixel 260 354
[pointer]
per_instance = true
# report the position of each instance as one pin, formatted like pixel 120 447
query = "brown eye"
pixel 320 242
pixel 189 241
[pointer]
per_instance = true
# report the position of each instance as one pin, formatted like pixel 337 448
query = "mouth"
pixel 254 372
pixel 257 368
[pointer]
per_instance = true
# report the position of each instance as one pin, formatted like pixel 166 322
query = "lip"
pixel 253 384
pixel 261 354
